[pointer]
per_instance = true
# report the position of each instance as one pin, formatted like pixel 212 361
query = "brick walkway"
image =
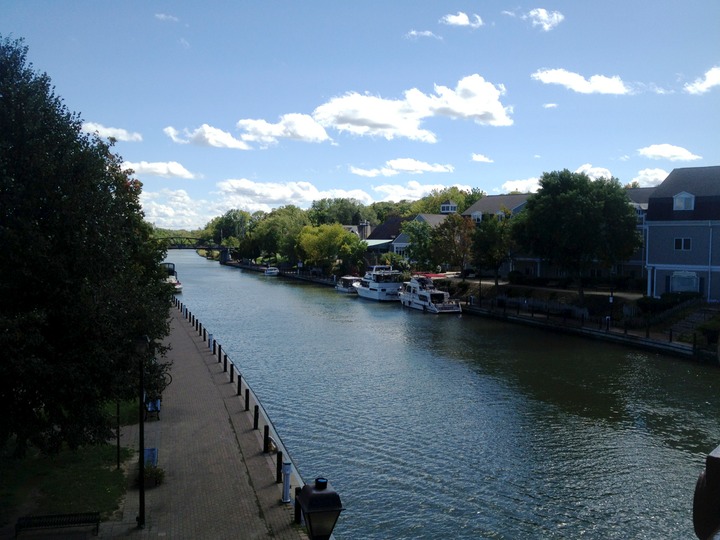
pixel 218 483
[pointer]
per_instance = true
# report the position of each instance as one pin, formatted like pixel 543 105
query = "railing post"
pixel 297 505
pixel 247 399
pixel 266 439
pixel 239 390
pixel 232 372
pixel 278 468
pixel 219 351
pixel 256 417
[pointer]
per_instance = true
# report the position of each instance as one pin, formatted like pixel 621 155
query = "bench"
pixel 57 521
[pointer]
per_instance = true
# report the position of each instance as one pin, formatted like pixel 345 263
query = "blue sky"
pixel 256 105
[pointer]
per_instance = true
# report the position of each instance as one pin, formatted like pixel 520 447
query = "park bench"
pixel 57 521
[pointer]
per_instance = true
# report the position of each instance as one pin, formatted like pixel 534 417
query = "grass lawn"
pixel 81 481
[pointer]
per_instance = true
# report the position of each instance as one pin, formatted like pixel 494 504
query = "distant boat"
pixel 172 277
pixel 346 284
pixel 272 271
pixel 380 283
pixel 420 293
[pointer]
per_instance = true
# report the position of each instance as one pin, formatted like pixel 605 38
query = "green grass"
pixel 80 481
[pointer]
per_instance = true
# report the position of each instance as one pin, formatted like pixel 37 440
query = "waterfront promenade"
pixel 218 483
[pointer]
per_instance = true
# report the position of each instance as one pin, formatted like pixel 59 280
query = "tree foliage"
pixel 430 204
pixel 328 245
pixel 575 222
pixel 419 249
pixel 277 232
pixel 492 242
pixel 452 241
pixel 80 278
pixel 342 211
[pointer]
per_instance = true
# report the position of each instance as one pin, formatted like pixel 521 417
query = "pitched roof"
pixel 387 230
pixel 700 181
pixel 432 219
pixel 492 204
pixel 640 195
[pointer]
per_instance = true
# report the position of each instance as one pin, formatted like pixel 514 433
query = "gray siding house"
pixel 683 233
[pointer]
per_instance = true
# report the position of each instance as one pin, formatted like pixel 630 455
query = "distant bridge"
pixel 189 242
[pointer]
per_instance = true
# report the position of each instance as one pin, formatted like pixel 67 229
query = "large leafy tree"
pixel 452 241
pixel 419 249
pixel 328 245
pixel 492 242
pixel 277 232
pixel 80 278
pixel 575 222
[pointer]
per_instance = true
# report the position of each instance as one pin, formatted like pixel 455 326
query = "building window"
pixel 683 244
pixel 684 201
pixel 684 282
pixel 477 217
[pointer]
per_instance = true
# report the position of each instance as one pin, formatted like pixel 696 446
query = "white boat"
pixel 381 283
pixel 420 293
pixel 346 284
pixel 172 278
pixel 272 271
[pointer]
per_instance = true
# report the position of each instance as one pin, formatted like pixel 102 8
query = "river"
pixel 462 427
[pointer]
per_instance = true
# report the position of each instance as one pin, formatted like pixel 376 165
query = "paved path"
pixel 218 483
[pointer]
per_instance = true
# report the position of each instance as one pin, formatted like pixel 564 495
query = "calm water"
pixel 460 427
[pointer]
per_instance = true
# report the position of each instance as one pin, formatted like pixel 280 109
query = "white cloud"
pixel 481 158
pixel 544 18
pixel 597 84
pixel 107 132
pixel 529 185
pixel 166 18
pixel 253 196
pixel 206 135
pixel 174 209
pixel 300 127
pixel 705 83
pixel 650 177
pixel 402 165
pixel 414 34
pixel 462 19
pixel 169 169
pixel 550 105
pixel 473 99
pixel 594 172
pixel 667 151
pixel 411 191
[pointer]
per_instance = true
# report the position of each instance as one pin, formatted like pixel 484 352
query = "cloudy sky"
pixel 255 105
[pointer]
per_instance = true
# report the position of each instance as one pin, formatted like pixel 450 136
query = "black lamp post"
pixel 321 507
pixel 142 345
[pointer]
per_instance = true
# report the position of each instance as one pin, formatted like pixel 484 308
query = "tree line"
pixel 573 222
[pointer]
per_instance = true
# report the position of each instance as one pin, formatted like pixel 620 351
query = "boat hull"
pixel 379 294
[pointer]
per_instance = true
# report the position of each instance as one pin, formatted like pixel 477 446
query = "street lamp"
pixel 321 507
pixel 142 346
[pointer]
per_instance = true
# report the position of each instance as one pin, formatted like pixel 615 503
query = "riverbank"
pixel 644 339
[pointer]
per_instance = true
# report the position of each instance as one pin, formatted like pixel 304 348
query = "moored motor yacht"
pixel 346 284
pixel 272 271
pixel 420 293
pixel 381 283
pixel 172 277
